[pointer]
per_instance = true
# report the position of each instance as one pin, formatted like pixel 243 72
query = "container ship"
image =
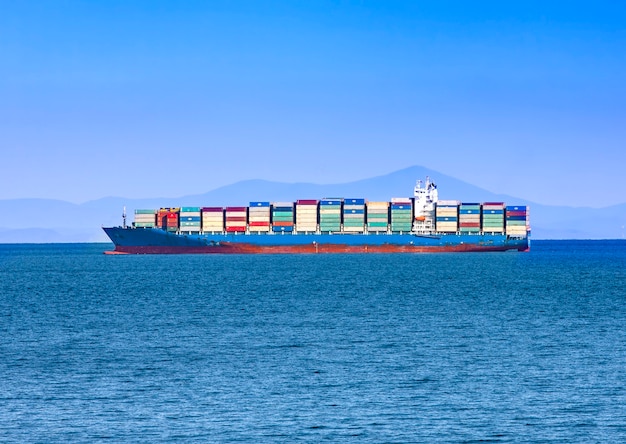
pixel 419 224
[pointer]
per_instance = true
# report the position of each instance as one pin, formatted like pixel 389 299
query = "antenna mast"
pixel 124 218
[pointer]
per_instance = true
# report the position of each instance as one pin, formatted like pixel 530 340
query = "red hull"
pixel 241 248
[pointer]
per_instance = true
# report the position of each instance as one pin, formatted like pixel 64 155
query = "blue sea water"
pixel 473 347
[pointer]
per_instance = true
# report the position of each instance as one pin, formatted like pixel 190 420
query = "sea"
pixel 381 348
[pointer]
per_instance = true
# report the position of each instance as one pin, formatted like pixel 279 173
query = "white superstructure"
pixel 426 197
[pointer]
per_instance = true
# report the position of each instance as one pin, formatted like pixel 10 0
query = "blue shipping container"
pixel 335 202
pixel 190 219
pixel 354 201
pixel 259 204
pixel 279 229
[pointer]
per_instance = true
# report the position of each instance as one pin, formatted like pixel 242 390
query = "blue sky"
pixel 164 99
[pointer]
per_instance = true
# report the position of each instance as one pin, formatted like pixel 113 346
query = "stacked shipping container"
pixel 171 220
pixel 213 219
pixel 447 216
pixel 259 217
pixel 401 214
pixel 145 218
pixel 469 218
pixel 354 215
pixel 236 219
pixel 282 217
pixel 377 216
pixel 493 217
pixel 190 219
pixel 161 220
pixel 306 216
pixel 330 215
pixel 516 220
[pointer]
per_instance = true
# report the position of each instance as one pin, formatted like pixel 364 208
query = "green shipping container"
pixel 401 227
pixel 282 213
pixel 469 229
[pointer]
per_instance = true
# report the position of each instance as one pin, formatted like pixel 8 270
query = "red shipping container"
pixel 259 224
pixel 239 229
pixel 161 219
pixel 470 224
pixel 283 224
pixel 235 218
pixel 212 209
pixel 516 213
pixel 306 202
pixel 236 209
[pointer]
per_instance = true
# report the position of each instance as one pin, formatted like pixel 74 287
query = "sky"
pixel 164 99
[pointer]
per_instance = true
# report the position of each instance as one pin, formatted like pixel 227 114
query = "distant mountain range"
pixel 51 221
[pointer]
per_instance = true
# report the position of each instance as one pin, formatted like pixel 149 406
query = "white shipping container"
pixel 260 229
pixel 359 229
pixel 376 228
pixel 308 228
pixel 258 213
pixel 213 225
pixel 448 203
pixel 258 218
pixel 516 229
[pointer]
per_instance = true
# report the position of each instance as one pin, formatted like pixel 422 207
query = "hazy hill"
pixel 44 220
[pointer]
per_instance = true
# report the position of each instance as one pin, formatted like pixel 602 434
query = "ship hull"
pixel 157 241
